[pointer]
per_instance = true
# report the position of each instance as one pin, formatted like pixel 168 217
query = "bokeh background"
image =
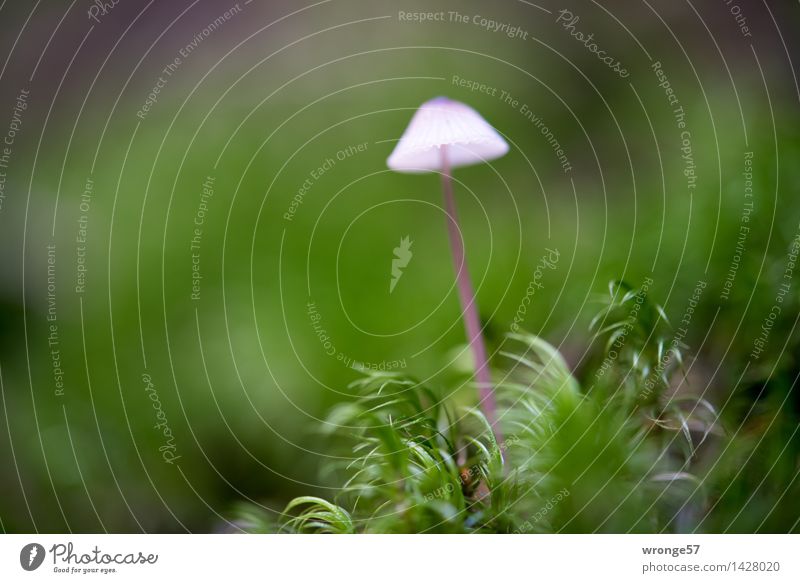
pixel 97 337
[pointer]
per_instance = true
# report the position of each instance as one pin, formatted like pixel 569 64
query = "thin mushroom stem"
pixel 469 309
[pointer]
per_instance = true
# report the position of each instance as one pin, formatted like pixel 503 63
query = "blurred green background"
pixel 257 105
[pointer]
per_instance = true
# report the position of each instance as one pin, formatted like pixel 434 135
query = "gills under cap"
pixel 442 122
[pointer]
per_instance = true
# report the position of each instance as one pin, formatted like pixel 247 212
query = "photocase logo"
pixel 402 255
pixel 31 556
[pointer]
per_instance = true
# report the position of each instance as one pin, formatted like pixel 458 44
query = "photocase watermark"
pixel 66 560
pixel 94 561
pixel 739 17
pixel 528 525
pixel 688 313
pixel 760 343
pixel 475 86
pixel 100 8
pixel 524 110
pixel 467 475
pixel 679 115
pixel 206 194
pixel 14 127
pixel 81 237
pixel 330 348
pixel 417 17
pixel 31 556
pixel 489 24
pixel 478 20
pixel 568 21
pixel 317 173
pixel 183 53
pixel 677 342
pixel 168 449
pixel 53 338
pixel 744 230
pixel 402 257
pixel 630 322
pixel 547 261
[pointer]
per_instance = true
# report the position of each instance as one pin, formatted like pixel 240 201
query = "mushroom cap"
pixel 442 122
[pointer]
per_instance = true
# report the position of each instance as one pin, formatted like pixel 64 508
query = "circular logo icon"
pixel 31 556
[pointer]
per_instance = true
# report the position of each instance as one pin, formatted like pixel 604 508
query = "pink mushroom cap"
pixel 442 122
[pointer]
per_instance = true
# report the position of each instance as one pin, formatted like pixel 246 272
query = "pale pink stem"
pixel 469 309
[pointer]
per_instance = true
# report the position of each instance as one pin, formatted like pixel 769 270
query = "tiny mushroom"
pixel 445 134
